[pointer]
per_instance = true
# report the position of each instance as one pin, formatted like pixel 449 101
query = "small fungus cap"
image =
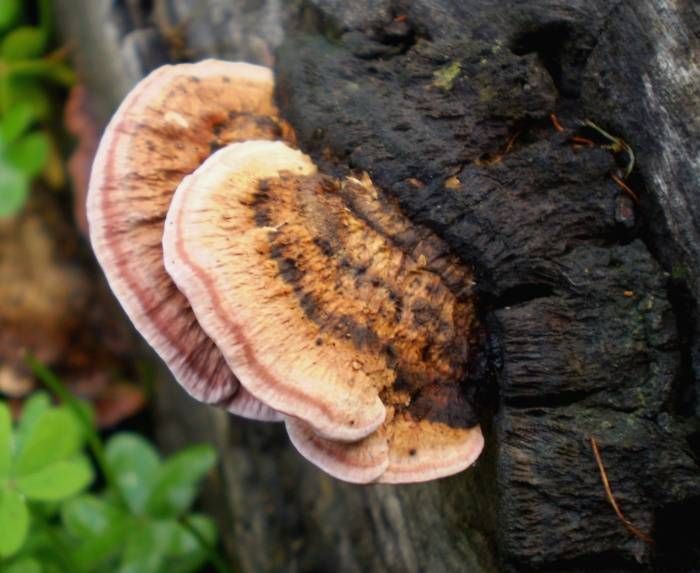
pixel 330 306
pixel 164 129
pixel 404 450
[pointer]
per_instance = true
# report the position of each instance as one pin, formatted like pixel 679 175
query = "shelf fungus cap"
pixel 164 129
pixel 404 450
pixel 331 307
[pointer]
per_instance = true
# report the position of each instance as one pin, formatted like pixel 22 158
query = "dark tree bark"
pixel 589 298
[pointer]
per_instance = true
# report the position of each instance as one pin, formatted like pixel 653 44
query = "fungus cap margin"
pixel 129 195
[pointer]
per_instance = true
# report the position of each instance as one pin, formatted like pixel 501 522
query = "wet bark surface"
pixel 588 293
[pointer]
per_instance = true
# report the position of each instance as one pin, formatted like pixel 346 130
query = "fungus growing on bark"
pixel 331 307
pixel 167 125
pixel 319 295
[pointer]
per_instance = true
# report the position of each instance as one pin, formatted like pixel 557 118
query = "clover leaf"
pixel 40 461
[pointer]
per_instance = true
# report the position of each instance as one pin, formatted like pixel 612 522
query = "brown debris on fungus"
pixel 167 125
pixel 331 307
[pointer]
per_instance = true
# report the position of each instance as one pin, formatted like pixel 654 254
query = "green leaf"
pixel 61 74
pixel 14 188
pixel 10 11
pixel 30 153
pixel 135 464
pixel 177 480
pixel 54 71
pixel 186 554
pixel 55 436
pixel 24 565
pixel 88 516
pixel 60 480
pixel 100 527
pixel 92 553
pixel 145 548
pixel 16 121
pixel 184 542
pixel 14 521
pixel 23 43
pixel 30 92
pixel 32 409
pixel 5 439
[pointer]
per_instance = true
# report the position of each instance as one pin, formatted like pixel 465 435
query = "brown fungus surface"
pixel 331 307
pixel 165 128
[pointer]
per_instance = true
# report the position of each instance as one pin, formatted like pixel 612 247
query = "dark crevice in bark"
pixel 555 400
pixel 652 228
pixel 677 538
pixel 548 43
pixel 521 294
pixel 685 398
pixel 658 240
pixel 604 561
pixel 694 444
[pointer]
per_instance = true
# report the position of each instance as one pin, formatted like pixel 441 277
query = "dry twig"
pixel 611 498
pixel 626 188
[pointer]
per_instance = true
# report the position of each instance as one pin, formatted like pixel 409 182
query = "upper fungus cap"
pixel 167 125
pixel 331 307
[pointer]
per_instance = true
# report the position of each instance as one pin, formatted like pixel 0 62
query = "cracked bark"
pixel 590 300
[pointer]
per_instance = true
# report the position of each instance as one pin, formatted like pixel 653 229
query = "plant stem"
pixel 52 382
pixel 211 552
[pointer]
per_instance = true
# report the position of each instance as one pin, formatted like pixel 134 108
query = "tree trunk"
pixel 589 292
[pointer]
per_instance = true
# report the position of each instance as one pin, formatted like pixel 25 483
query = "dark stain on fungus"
pixel 267 123
pixel 259 205
pixel 357 268
pixel 444 403
pixel 324 245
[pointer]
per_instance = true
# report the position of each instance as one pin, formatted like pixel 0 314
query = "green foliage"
pixel 44 464
pixel 25 146
pixel 140 522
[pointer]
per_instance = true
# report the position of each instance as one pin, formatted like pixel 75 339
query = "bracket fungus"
pixel 167 125
pixel 281 291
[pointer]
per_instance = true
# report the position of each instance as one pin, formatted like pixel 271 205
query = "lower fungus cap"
pixel 328 304
pixel 164 129
pixel 404 450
